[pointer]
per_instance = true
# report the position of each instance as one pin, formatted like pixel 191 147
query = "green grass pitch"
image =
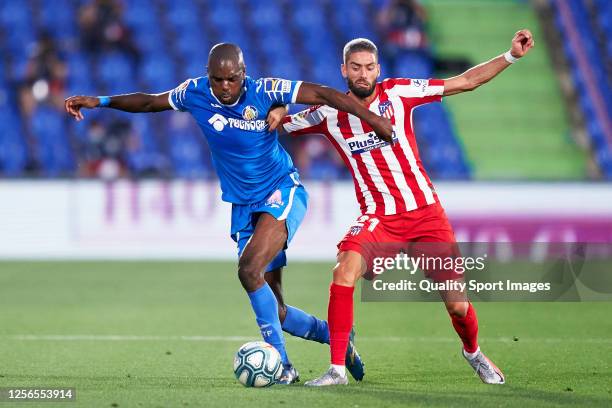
pixel 163 334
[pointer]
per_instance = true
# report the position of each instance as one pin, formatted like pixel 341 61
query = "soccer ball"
pixel 257 364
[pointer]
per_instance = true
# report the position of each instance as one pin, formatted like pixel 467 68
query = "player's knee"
pixel 344 276
pixel 282 312
pixel 251 277
pixel 457 309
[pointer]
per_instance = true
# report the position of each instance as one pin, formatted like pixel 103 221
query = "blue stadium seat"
pixel 308 17
pixel 79 67
pixel 236 36
pixel 283 67
pixel 15 14
pixel 54 153
pixel 58 18
pixel 266 15
pixel 187 154
pixel 193 67
pixel 596 60
pixel 13 148
pixel 19 42
pixel 173 38
pixel 182 14
pixel 150 40
pixel 144 157
pixel 413 64
pixel 116 73
pixel 13 155
pixel 352 20
pixel 141 16
pixel 327 72
pixel 225 16
pixel 281 49
pixel 158 73
pixel 192 43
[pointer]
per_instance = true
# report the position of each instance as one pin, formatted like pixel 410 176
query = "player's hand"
pixel 382 126
pixel 521 43
pixel 74 104
pixel 275 116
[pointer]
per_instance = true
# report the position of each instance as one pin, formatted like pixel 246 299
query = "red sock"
pixel 340 320
pixel 467 328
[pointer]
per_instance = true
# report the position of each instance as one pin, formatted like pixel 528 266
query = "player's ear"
pixel 343 70
pixel 377 71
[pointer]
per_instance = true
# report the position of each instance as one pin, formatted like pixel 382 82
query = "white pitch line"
pixel 119 337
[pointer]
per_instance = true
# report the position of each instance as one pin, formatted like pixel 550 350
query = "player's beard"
pixel 361 92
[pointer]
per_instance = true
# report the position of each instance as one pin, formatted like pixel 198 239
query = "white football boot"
pixel 486 370
pixel 331 377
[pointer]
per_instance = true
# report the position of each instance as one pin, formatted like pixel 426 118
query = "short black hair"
pixel 359 44
pixel 226 52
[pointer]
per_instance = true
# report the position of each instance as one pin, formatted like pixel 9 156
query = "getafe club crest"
pixel 386 109
pixel 249 113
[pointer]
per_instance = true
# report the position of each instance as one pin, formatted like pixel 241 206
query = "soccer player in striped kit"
pixel 397 199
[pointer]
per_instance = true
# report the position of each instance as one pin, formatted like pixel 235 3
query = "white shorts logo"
pixel 275 200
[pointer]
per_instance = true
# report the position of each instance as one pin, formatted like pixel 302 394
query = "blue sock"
pixel 300 324
pixel 265 307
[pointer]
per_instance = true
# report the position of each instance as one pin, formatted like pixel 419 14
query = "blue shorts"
pixel 287 203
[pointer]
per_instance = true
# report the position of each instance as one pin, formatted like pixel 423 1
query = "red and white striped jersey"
pixel 389 179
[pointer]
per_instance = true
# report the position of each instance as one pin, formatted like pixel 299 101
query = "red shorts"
pixel 421 232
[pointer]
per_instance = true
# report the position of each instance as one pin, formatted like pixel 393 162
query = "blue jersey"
pixel 248 158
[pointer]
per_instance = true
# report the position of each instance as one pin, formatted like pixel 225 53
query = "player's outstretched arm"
pixel 481 74
pixel 313 94
pixel 135 102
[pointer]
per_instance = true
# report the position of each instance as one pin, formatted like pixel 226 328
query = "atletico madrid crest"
pixel 356 229
pixel 386 109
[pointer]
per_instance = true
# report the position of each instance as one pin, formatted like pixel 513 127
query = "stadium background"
pixel 527 157
pixel 117 183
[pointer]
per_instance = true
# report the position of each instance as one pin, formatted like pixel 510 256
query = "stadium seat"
pixel 186 151
pixel 173 39
pixel 182 14
pixel 14 14
pixel 13 148
pixel 141 16
pixel 282 67
pixel 58 18
pixel 266 15
pixel 115 71
pixel 158 73
pixel 225 16
pixel 582 23
pixel 413 64
pixel 53 149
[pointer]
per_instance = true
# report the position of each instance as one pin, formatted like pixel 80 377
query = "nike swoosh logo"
pixel 214 105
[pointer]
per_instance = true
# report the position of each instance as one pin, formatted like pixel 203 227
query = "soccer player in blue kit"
pixel 257 176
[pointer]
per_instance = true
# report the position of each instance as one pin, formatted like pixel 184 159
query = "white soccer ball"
pixel 257 364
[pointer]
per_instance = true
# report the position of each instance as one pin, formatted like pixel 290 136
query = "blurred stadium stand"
pixel 586 27
pixel 53 49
